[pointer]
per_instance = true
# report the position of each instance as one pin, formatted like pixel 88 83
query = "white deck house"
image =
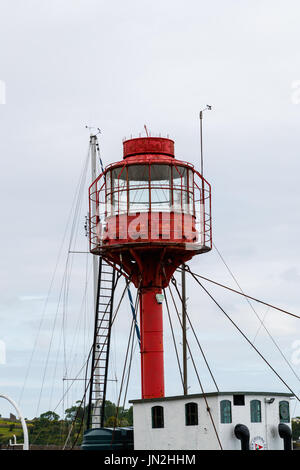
pixel 183 422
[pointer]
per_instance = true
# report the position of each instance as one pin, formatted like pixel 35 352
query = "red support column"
pixel 152 351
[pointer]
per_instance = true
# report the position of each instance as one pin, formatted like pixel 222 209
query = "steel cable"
pixel 248 340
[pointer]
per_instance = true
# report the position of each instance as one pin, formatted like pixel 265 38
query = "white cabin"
pixel 183 422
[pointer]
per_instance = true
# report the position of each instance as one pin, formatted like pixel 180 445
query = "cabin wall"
pixel 267 429
pixel 175 435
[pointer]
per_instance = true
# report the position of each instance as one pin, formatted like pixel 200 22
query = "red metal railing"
pixel 111 204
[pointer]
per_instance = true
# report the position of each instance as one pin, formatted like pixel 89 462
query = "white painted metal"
pixel 96 412
pixel 23 422
pixel 93 209
pixel 176 435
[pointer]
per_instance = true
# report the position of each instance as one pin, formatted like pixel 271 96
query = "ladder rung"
pixel 105 292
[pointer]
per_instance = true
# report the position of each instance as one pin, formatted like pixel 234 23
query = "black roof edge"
pixel 209 394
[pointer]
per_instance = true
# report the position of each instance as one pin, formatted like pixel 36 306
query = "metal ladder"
pixel 100 356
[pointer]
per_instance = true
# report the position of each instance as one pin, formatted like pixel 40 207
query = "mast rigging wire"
pixel 200 383
pixel 76 195
pixel 89 384
pixel 94 367
pixel 186 268
pixel 133 348
pixel 123 373
pixel 174 341
pixel 67 273
pixel 196 337
pixel 248 340
pixel 131 353
pixel 131 337
pixel 258 317
pixel 86 363
pixel 89 354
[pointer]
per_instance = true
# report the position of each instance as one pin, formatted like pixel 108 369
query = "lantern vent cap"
pixel 148 145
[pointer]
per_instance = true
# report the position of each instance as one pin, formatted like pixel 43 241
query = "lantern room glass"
pixel 161 188
pixel 138 188
pixel 149 187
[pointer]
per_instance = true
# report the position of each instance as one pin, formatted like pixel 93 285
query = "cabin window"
pixel 239 400
pixel 225 408
pixel 191 414
pixel 157 417
pixel 255 411
pixel 284 411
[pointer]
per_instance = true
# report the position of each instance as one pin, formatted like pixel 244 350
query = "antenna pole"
pixel 201 143
pixel 184 354
pixel 208 107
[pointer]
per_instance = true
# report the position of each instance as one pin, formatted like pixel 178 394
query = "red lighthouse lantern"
pixel 149 214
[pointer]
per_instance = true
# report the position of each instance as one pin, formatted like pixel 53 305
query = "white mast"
pixel 93 209
pixel 96 411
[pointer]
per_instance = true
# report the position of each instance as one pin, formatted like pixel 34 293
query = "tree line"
pixel 50 429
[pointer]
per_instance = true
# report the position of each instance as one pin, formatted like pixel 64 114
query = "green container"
pixel 108 439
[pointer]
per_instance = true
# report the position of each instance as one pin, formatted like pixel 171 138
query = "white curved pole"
pixel 23 422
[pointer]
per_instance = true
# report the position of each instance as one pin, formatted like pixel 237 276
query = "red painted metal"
pixel 152 359
pixel 150 145
pixel 149 214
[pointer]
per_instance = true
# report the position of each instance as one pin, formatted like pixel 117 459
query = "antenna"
pixel 208 107
pixel 93 127
pixel 145 127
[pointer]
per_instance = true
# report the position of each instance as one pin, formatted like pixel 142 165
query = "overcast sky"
pixel 119 65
